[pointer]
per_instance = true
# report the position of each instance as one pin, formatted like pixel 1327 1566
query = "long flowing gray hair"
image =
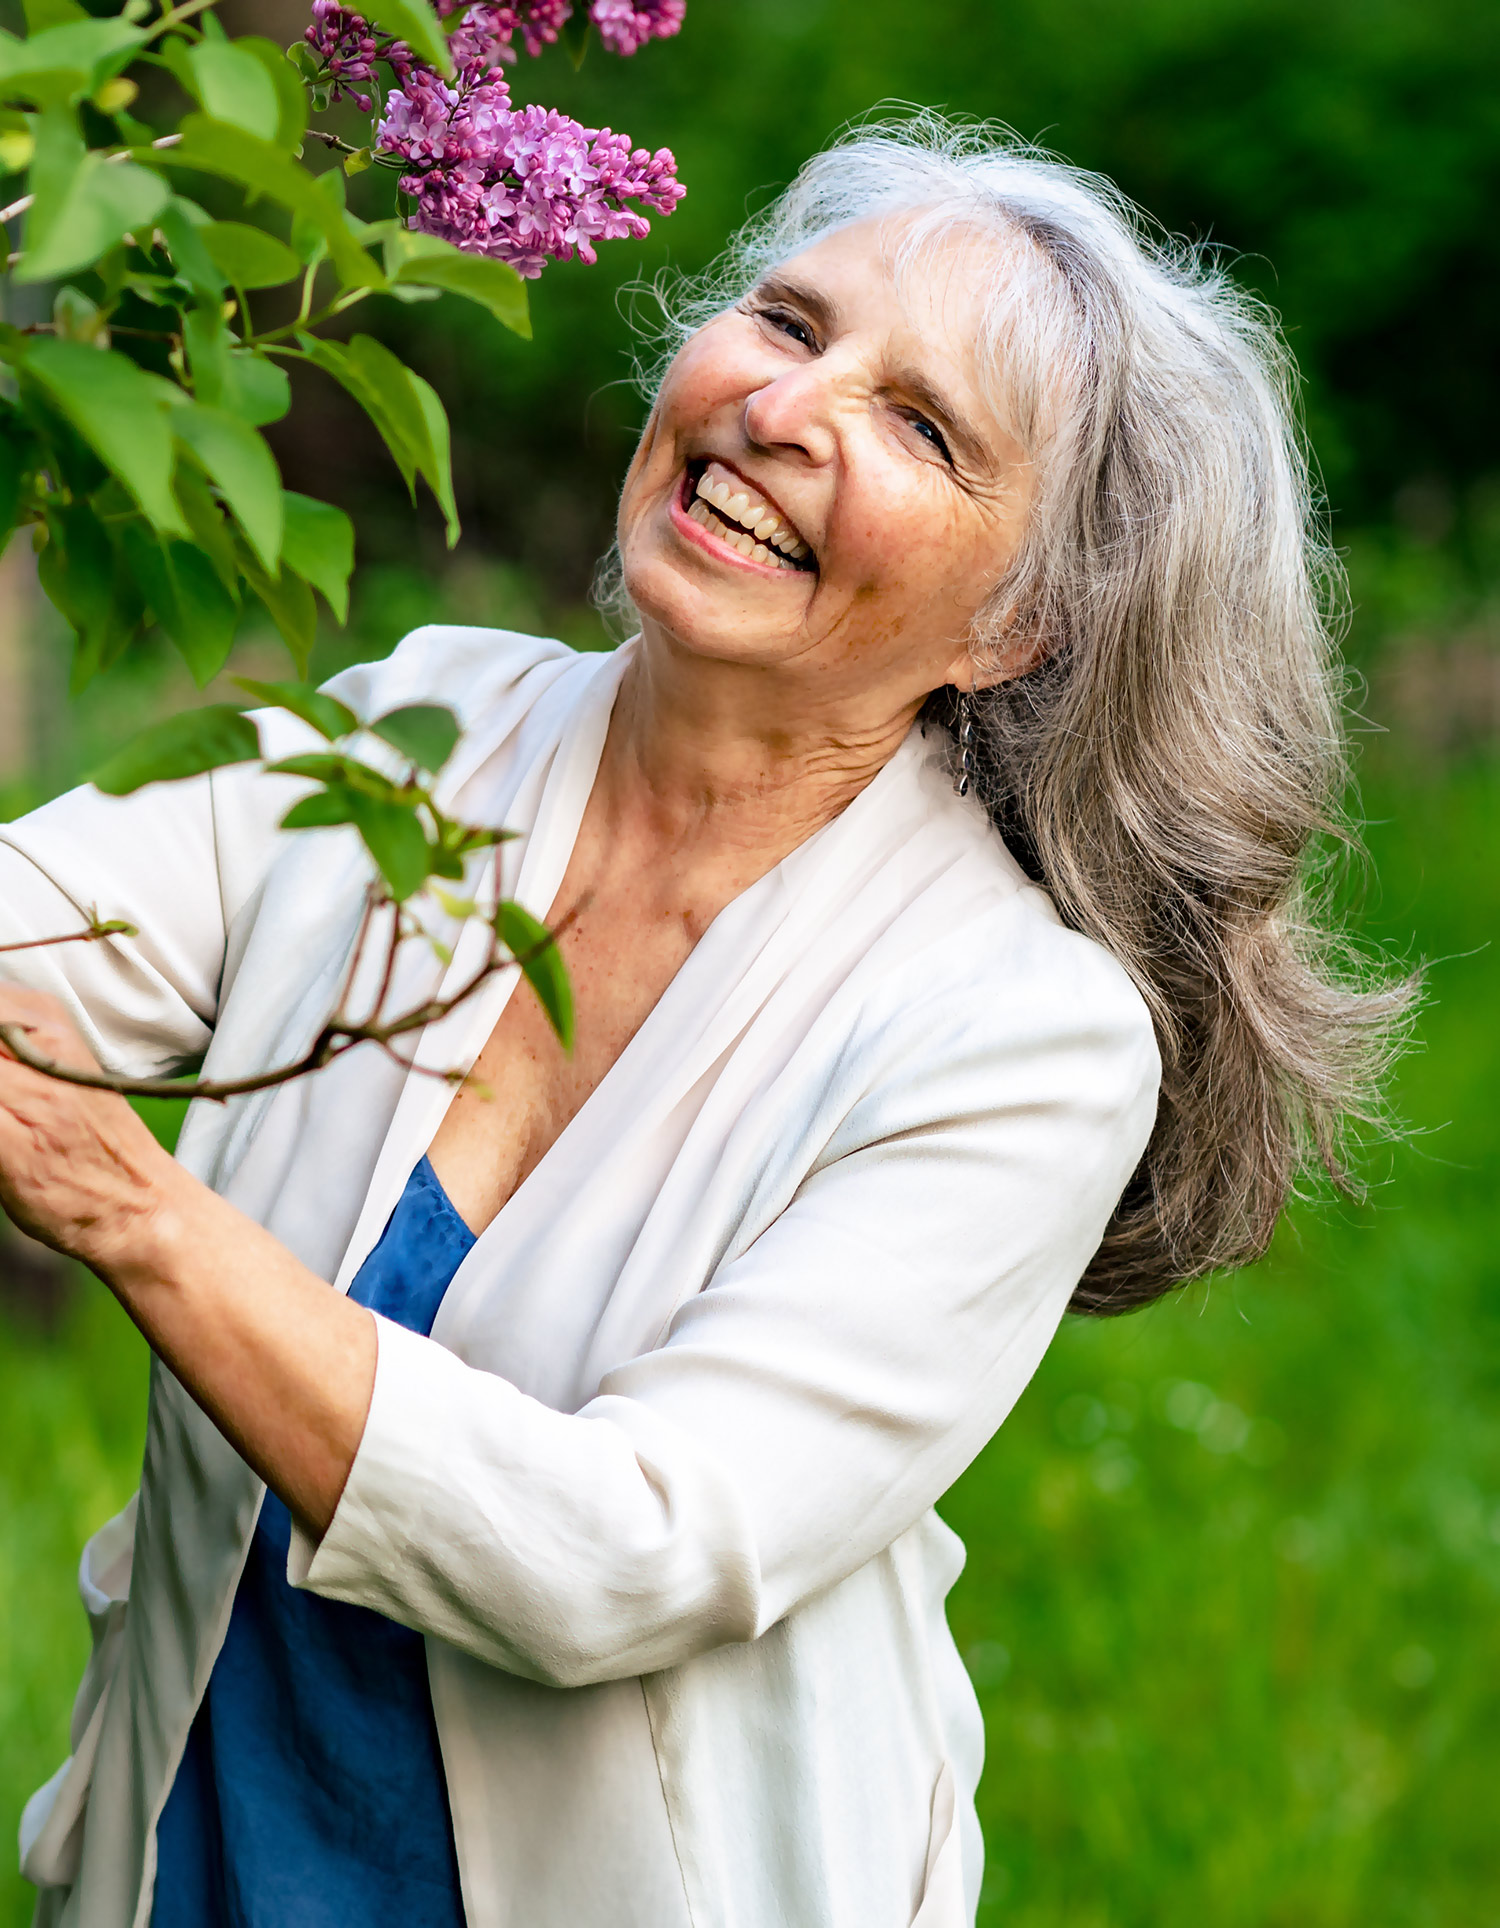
pixel 1174 764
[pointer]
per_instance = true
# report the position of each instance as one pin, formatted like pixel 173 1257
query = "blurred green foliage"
pixel 1346 154
pixel 1234 1572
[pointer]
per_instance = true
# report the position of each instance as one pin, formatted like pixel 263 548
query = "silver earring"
pixel 965 734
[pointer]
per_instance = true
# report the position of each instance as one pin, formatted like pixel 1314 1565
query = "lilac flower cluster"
pixel 625 25
pixel 346 48
pixel 522 185
pixel 487 32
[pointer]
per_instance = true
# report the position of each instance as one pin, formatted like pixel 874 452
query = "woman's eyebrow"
pixel 818 307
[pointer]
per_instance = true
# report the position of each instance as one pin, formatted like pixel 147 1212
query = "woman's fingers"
pixel 44 1025
pixel 77 1166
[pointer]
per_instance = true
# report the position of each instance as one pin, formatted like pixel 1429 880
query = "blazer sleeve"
pixel 816 1398
pixel 169 860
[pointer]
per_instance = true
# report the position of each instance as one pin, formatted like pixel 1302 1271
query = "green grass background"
pixel 1234 1563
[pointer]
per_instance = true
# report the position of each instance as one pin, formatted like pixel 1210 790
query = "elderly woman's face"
pixel 824 480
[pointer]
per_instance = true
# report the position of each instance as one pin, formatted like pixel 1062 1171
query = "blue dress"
pixel 311 1794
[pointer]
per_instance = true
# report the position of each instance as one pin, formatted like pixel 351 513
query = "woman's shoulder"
pixel 977 966
pixel 469 669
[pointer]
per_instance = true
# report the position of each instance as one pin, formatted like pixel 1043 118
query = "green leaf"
pixel 186 597
pixel 76 318
pixel 291 92
pixel 235 87
pixel 106 201
pixel 395 838
pixel 190 257
pixel 289 603
pixel 255 389
pixel 249 257
pixel 327 715
pixel 216 148
pixel 323 810
pixel 182 746
pixel 207 524
pixel 206 337
pixel 41 14
pixel 536 950
pixel 237 458
pixel 117 411
pixel 439 470
pixel 394 410
pixel 64 62
pixel 424 733
pixel 415 22
pixel 403 407
pixel 80 572
pixel 492 284
pixel 575 36
pixel 83 204
pixel 332 766
pixel 319 545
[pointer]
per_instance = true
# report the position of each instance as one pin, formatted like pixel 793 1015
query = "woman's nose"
pixel 795 412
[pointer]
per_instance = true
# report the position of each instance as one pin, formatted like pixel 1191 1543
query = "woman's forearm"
pixel 282 1364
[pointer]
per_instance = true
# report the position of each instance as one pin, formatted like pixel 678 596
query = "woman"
pixel 578 1565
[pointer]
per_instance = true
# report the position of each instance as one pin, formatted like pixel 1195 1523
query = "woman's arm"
pixel 808 1406
pixel 282 1365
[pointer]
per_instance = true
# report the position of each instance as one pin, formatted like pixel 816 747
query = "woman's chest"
pixel 525 1089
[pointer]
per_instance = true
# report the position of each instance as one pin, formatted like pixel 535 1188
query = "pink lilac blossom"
pixel 521 185
pixel 347 49
pixel 625 25
pixel 489 28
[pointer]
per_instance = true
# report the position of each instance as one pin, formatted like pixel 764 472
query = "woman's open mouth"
pixel 728 508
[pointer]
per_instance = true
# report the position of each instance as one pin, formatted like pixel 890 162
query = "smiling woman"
pixel 573 1560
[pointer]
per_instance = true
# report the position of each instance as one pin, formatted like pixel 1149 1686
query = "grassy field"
pixel 1233 1594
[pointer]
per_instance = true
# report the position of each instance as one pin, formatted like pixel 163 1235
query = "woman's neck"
pixel 706 752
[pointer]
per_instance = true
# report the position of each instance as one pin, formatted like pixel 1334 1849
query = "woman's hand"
pixel 78 1169
pixel 282 1365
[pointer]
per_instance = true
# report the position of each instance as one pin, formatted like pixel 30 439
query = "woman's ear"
pixel 1017 651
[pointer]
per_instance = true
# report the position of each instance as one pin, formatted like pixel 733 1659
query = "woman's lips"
pixel 726 516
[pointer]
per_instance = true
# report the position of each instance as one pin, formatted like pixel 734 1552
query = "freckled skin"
pixel 762 700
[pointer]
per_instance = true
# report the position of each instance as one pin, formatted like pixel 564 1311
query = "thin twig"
pixel 373 900
pixel 175 18
pixel 90 935
pixel 333 141
pixel 336 1038
pixel 120 154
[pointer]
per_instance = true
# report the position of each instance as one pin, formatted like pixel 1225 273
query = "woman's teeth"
pixel 728 510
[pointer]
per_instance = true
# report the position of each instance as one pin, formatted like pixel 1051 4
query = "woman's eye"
pixel 789 325
pixel 931 433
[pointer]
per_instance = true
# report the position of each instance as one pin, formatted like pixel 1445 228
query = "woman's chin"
pixel 732 621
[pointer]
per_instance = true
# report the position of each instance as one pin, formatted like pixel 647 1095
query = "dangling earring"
pixel 965 734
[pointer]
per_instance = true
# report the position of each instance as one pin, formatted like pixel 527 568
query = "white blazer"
pixel 659 1488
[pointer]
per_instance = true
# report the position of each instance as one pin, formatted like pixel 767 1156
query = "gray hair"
pixel 1174 765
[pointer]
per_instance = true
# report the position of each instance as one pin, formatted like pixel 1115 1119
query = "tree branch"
pixel 337 1036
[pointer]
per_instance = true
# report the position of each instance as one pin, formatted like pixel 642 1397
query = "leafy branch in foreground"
pixel 193 260
pixel 416 847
